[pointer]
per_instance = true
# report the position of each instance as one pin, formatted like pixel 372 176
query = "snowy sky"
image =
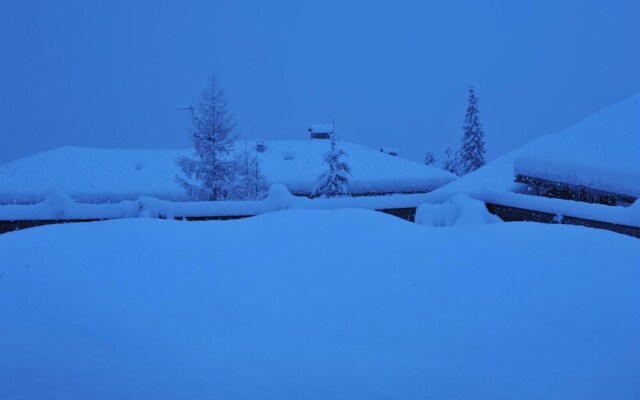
pixel 112 73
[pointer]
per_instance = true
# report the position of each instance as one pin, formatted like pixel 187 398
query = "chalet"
pixel 588 175
pixel 320 131
pixel 111 175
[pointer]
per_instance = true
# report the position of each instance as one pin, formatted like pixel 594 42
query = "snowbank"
pixel 297 304
pixel 460 210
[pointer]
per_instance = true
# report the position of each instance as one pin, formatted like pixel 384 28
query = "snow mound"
pixel 57 203
pixel 459 210
pixel 279 197
pixel 634 213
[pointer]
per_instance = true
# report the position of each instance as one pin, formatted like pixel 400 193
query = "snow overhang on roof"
pixel 601 152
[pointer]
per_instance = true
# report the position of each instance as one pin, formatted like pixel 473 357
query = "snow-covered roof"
pixel 601 152
pixel 321 128
pixel 101 175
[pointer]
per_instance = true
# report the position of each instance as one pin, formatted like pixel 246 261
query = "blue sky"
pixel 112 73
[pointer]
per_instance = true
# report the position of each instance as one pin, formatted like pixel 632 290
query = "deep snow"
pixel 341 304
pixel 112 175
pixel 58 205
pixel 600 152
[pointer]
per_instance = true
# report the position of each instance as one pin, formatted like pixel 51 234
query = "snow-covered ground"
pixel 304 304
pixel 107 175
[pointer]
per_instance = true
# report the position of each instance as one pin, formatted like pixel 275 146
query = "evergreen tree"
pixel 251 184
pixel 210 175
pixel 451 162
pixel 334 181
pixel 429 159
pixel 472 152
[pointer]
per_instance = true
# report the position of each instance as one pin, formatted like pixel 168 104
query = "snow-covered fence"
pixel 60 208
pixel 560 190
pixel 512 214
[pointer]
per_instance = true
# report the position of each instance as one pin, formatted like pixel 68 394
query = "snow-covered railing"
pixel 568 191
pixel 59 206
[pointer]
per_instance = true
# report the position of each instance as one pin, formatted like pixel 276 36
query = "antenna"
pixel 189 108
pixel 333 127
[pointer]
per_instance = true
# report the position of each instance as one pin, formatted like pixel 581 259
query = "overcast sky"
pixel 112 73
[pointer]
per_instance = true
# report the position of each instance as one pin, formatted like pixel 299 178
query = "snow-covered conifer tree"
pixel 210 175
pixel 472 152
pixel 251 183
pixel 334 181
pixel 451 162
pixel 429 159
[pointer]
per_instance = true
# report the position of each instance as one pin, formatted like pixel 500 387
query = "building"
pixel 588 175
pixel 320 131
pixel 112 175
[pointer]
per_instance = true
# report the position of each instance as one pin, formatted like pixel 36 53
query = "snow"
pixel 279 197
pixel 601 152
pixel 616 215
pixel 103 176
pixel 603 147
pixel 346 304
pixel 92 175
pixel 459 210
pixel 494 183
pixel 57 205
